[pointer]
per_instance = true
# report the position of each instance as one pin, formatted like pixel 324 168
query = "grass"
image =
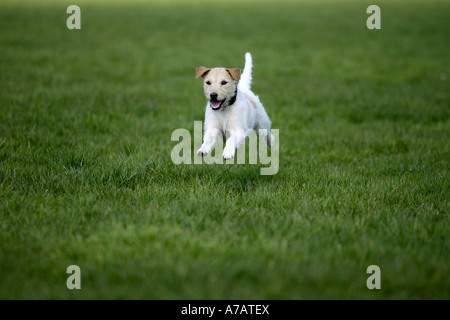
pixel 86 176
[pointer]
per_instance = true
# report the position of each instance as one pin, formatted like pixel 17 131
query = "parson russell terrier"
pixel 232 109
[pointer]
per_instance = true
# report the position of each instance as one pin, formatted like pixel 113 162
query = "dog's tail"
pixel 246 78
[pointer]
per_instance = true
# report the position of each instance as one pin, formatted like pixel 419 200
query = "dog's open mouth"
pixel 216 104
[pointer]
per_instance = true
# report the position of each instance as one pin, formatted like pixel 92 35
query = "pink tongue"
pixel 215 104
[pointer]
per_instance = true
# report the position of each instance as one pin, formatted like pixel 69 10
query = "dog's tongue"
pixel 215 104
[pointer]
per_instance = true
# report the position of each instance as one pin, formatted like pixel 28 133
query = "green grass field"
pixel 86 177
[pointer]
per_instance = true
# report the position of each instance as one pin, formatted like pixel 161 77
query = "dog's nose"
pixel 213 96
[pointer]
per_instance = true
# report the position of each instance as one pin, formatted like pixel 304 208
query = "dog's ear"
pixel 235 73
pixel 201 72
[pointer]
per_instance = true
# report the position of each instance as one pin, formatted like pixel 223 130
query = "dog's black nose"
pixel 213 96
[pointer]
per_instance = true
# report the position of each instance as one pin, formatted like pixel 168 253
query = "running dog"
pixel 232 108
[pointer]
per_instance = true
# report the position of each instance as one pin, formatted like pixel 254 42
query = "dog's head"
pixel 219 85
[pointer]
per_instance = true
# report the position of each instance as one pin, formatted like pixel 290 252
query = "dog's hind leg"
pixel 263 128
pixel 264 134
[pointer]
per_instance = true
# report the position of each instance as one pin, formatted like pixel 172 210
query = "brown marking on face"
pixel 235 73
pixel 201 72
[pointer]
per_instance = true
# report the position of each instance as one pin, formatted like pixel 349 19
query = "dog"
pixel 232 108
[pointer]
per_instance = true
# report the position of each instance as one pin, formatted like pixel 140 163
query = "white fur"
pixel 234 121
pixel 246 78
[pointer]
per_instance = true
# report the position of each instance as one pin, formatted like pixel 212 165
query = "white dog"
pixel 232 109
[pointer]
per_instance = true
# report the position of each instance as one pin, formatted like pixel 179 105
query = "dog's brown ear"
pixel 235 73
pixel 201 72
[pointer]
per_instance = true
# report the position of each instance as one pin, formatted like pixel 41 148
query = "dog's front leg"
pixel 208 142
pixel 237 136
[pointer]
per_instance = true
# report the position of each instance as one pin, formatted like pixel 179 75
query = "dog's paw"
pixel 228 154
pixel 202 153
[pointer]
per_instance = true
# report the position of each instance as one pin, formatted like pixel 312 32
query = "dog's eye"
pixel 224 82
pixel 208 82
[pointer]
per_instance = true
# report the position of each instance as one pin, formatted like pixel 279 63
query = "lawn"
pixel 86 176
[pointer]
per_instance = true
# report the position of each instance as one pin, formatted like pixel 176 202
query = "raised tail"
pixel 246 78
